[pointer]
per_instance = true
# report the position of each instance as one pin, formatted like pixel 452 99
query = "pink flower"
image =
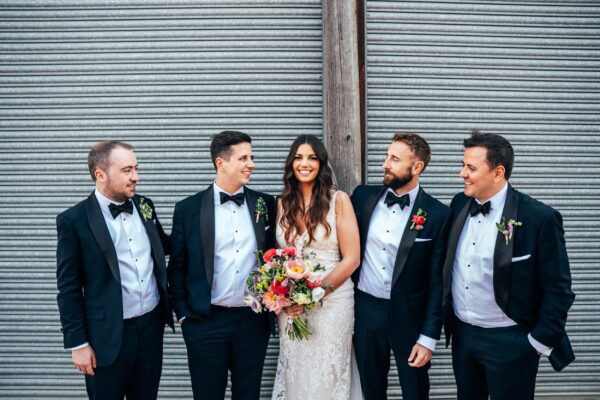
pixel 290 251
pixel 296 269
pixel 274 302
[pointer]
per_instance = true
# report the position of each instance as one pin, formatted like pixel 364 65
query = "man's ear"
pixel 499 172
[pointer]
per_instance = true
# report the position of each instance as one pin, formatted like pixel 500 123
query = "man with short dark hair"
pixel 507 284
pixel 398 290
pixel 216 233
pixel 112 280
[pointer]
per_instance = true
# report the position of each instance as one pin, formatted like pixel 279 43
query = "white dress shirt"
pixel 235 247
pixel 136 267
pixel 385 233
pixel 473 296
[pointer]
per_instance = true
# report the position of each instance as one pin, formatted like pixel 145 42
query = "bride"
pixel 317 218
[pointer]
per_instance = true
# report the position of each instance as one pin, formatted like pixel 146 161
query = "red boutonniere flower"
pixel 418 220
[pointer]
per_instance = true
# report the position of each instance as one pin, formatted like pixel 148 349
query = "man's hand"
pixel 419 356
pixel 84 360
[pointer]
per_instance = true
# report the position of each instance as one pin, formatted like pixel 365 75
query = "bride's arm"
pixel 348 239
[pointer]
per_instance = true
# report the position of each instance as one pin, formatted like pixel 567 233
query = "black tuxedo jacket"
pixel 532 281
pixel 191 264
pixel 89 283
pixel 416 296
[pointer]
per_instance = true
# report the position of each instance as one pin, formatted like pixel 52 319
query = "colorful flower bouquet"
pixel 285 278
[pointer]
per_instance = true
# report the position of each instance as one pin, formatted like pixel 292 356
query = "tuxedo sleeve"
pixel 554 281
pixel 69 277
pixel 432 325
pixel 178 266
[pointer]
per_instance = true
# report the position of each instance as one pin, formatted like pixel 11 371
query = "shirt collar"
pixel 412 194
pixel 104 202
pixel 217 190
pixel 497 201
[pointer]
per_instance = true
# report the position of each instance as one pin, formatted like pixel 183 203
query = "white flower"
pixel 318 294
pixel 302 298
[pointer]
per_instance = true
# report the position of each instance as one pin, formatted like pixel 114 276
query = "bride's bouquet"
pixel 285 278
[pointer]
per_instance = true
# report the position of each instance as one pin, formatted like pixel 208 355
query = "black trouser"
pixel 233 339
pixel 135 373
pixel 373 340
pixel 499 362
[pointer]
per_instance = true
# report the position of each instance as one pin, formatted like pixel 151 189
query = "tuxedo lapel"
pixel 155 243
pixel 408 239
pixel 207 231
pixel 453 238
pixel 369 206
pixel 259 226
pixel 503 252
pixel 101 234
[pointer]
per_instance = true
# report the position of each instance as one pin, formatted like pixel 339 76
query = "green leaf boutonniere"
pixel 418 220
pixel 146 210
pixel 507 228
pixel 261 209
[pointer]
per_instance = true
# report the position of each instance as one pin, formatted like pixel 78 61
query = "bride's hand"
pixel 293 311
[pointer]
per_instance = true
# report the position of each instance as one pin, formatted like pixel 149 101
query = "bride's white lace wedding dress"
pixel 320 367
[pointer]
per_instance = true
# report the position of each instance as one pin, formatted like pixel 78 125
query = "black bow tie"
pixel 477 208
pixel 236 198
pixel 402 201
pixel 118 209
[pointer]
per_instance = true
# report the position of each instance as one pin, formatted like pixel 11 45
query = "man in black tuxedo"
pixel 112 280
pixel 507 285
pixel 216 233
pixel 398 290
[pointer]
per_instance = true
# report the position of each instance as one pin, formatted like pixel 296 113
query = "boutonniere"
pixel 418 220
pixel 507 228
pixel 261 209
pixel 146 210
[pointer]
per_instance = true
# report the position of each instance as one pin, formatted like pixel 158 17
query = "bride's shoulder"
pixel 341 200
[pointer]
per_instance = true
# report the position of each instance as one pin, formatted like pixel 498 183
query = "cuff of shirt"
pixel 181 320
pixel 426 341
pixel 81 346
pixel 545 350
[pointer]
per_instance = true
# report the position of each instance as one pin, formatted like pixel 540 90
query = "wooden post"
pixel 341 92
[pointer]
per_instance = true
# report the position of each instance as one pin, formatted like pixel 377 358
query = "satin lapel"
pixel 369 207
pixel 503 253
pixel 101 234
pixel 259 227
pixel 453 238
pixel 408 239
pixel 155 244
pixel 207 232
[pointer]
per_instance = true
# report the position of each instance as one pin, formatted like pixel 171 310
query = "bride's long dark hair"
pixel 291 198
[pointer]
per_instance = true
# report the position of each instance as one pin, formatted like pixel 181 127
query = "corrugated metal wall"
pixel 163 75
pixel 529 70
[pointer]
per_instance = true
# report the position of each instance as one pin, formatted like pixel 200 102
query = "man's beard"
pixel 397 181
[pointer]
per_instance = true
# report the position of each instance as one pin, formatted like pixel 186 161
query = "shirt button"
pixel 473 243
pixel 136 259
pixel 388 231
pixel 468 265
pixel 467 288
pixel 383 267
pixel 130 240
pixel 384 249
pixel 142 280
pixel 237 251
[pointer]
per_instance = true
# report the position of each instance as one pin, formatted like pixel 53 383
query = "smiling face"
pixel 401 168
pixel 235 168
pixel 119 181
pixel 306 164
pixel 480 181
